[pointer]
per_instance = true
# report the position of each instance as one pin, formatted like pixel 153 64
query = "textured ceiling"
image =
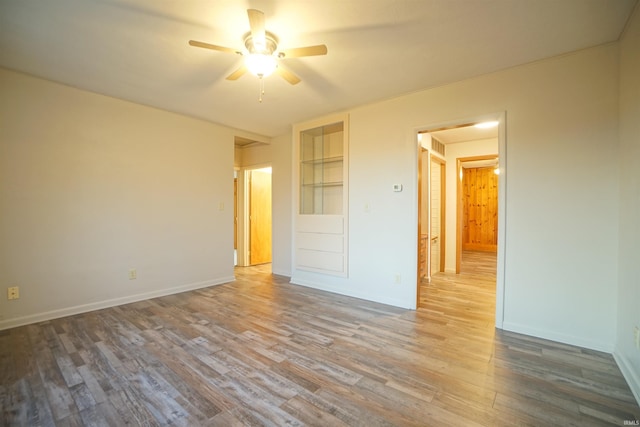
pixel 137 49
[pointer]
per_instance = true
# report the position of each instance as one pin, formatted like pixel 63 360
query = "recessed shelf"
pixel 322 170
pixel 323 160
pixel 324 184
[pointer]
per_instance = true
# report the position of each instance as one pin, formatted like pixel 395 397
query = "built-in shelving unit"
pixel 320 153
pixel 322 169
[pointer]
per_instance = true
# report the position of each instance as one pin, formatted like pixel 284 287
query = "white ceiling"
pixel 137 49
pixel 464 134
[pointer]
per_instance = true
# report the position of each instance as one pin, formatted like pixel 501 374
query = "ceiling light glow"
pixel 487 125
pixel 261 65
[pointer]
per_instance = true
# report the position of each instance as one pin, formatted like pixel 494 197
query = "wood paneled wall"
pixel 480 209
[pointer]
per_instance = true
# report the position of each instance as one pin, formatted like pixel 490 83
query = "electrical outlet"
pixel 636 336
pixel 133 274
pixel 13 293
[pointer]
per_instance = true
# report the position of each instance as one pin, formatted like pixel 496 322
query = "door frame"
pixel 501 117
pixel 244 193
pixel 443 213
pixel 460 202
pixel 421 183
pixel 424 180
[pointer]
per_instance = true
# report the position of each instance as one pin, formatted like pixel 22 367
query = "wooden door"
pixel 480 209
pixel 259 216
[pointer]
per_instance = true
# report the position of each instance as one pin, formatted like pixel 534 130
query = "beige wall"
pixel 91 186
pixel 628 310
pixel 560 112
pixel 253 157
pixel 282 199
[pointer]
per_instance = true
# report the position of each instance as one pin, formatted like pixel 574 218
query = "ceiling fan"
pixel 262 55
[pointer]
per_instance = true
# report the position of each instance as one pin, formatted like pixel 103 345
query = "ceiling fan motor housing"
pixel 253 46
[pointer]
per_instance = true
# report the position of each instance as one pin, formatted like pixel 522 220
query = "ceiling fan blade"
pixel 288 75
pixel 256 23
pixel 297 52
pixel 212 46
pixel 237 73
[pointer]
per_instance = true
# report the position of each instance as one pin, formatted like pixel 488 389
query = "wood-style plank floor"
pixel 261 351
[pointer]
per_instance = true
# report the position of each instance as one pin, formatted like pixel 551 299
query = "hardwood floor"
pixel 260 351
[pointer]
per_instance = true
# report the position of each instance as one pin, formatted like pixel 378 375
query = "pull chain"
pixel 261 89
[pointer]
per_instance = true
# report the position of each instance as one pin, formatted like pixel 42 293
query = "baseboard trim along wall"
pixel 627 372
pixel 341 291
pixel 84 308
pixel 285 273
pixel 632 378
pixel 562 338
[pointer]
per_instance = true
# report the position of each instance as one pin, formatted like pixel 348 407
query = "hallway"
pixel 470 292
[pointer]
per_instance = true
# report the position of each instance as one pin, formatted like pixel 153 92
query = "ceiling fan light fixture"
pixel 261 57
pixel 261 65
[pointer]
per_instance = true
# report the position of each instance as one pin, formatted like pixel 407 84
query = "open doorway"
pixel 253 203
pixel 259 185
pixel 477 206
pixel 446 144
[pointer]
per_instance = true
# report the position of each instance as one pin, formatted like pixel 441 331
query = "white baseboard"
pixel 554 336
pixel 632 377
pixel 278 272
pixel 340 291
pixel 83 308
